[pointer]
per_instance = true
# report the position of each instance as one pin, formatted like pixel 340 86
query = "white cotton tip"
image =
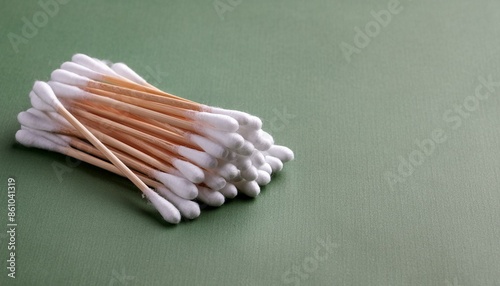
pixel 227 170
pixel 275 163
pixel 210 197
pixel 242 162
pixel 263 145
pixel 176 172
pixel 68 91
pixel 217 121
pixel 257 158
pixel 44 91
pixel 264 141
pixel 49 115
pixel 214 182
pixel 199 158
pixel 106 62
pixel 249 174
pixel 190 171
pixel 64 76
pixel 126 72
pixel 242 117
pixel 91 63
pixel 283 153
pixel 29 139
pixel 267 137
pixel 231 156
pixel 168 211
pixel 251 135
pixel 266 168
pixel 245 150
pixel 66 138
pixel 32 121
pixel 209 146
pixel 245 131
pixel 237 178
pixel 249 188
pixel 39 104
pixel 38 113
pixel 54 117
pixel 105 68
pixel 49 119
pixel 180 186
pixel 264 178
pixel 229 139
pixel 81 70
pixel 229 191
pixel 254 122
pixel 59 140
pixel 187 208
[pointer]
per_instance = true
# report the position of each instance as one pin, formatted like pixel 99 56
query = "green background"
pixel 347 121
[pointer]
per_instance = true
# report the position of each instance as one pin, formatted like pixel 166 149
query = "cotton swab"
pixel 281 152
pixel 275 163
pixel 229 191
pixel 210 197
pixel 263 178
pixel 249 188
pixel 183 149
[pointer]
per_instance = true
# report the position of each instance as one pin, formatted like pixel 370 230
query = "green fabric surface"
pixel 341 213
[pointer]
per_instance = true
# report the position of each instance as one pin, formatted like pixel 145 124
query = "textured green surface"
pixel 347 121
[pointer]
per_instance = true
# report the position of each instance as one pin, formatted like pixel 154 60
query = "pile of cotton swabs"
pixel 176 151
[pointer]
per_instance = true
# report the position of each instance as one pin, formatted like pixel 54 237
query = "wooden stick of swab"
pixel 156 128
pixel 202 159
pixel 163 107
pixel 45 92
pixel 151 101
pixel 132 121
pixel 104 124
pixel 138 154
pixel 73 92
